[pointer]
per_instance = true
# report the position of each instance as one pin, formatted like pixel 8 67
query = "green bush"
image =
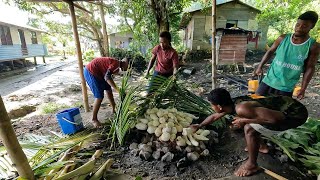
pixel 88 55
pixel 139 62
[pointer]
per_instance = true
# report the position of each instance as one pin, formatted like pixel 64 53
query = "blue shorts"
pixel 96 85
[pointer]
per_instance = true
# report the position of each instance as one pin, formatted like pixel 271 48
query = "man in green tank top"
pixel 295 54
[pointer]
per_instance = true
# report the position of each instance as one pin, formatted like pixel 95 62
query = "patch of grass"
pixel 53 107
pixel 77 104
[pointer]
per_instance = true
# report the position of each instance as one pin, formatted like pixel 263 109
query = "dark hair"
pixel 220 96
pixel 165 34
pixel 309 16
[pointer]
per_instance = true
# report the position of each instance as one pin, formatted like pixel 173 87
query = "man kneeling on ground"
pixel 268 116
pixel 98 76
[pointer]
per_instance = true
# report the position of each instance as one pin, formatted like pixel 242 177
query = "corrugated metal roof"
pixel 20 26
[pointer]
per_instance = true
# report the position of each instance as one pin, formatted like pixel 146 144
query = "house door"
pixel 23 42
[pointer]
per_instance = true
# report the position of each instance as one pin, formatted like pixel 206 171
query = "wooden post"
pixel 12 145
pixel 44 60
pixel 214 64
pixel 79 55
pixel 24 62
pixel 35 60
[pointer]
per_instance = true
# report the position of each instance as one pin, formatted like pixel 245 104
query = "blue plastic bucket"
pixel 70 120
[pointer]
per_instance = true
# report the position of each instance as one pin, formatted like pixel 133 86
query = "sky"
pixel 14 15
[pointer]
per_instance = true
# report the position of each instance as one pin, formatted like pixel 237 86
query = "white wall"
pixel 15 35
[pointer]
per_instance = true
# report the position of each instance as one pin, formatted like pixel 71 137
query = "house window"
pixel 5 35
pixel 231 23
pixel 34 37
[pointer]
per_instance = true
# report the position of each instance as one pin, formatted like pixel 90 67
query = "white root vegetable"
pixel 205 133
pixel 179 128
pixel 199 137
pixel 144 121
pixel 155 123
pixel 151 129
pixel 192 140
pixel 162 120
pixel 154 117
pixel 174 130
pixel 172 137
pixel 165 137
pixel 181 141
pixel 160 113
pixel 167 129
pixel 150 123
pixel 187 140
pixel 158 131
pixel 199 131
pixel 141 126
pixel 170 124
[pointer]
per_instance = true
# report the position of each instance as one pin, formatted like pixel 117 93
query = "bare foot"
pixel 263 149
pixel 96 123
pixel 247 169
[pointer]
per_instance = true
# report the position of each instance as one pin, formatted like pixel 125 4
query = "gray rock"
pixel 156 154
pixel 165 149
pixel 167 157
pixel 182 163
pixel 205 152
pixel 283 158
pixel 133 146
pixel 193 156
pixel 135 152
pixel 144 155
pixel 202 145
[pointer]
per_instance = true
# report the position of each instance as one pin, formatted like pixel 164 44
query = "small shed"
pixel 197 24
pixel 20 42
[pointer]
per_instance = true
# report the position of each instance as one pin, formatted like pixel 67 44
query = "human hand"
pixel 239 122
pixel 195 127
pixel 258 71
pixel 301 93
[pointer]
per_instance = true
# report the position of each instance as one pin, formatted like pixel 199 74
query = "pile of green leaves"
pixel 302 144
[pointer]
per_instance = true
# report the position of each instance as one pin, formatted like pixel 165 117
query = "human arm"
pixel 152 60
pixel 110 81
pixel 175 60
pixel 210 119
pixel 267 56
pixel 309 69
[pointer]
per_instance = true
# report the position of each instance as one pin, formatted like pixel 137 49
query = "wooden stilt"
pixel 35 60
pixel 79 55
pixel 12 145
pixel 12 65
pixel 24 62
pixel 44 60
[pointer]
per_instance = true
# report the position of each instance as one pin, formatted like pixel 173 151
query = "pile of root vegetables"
pixel 168 134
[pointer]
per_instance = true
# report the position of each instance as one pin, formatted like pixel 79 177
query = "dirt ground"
pixel 62 85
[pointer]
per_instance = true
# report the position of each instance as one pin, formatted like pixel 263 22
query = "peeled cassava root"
pixel 171 126
pixel 167 124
